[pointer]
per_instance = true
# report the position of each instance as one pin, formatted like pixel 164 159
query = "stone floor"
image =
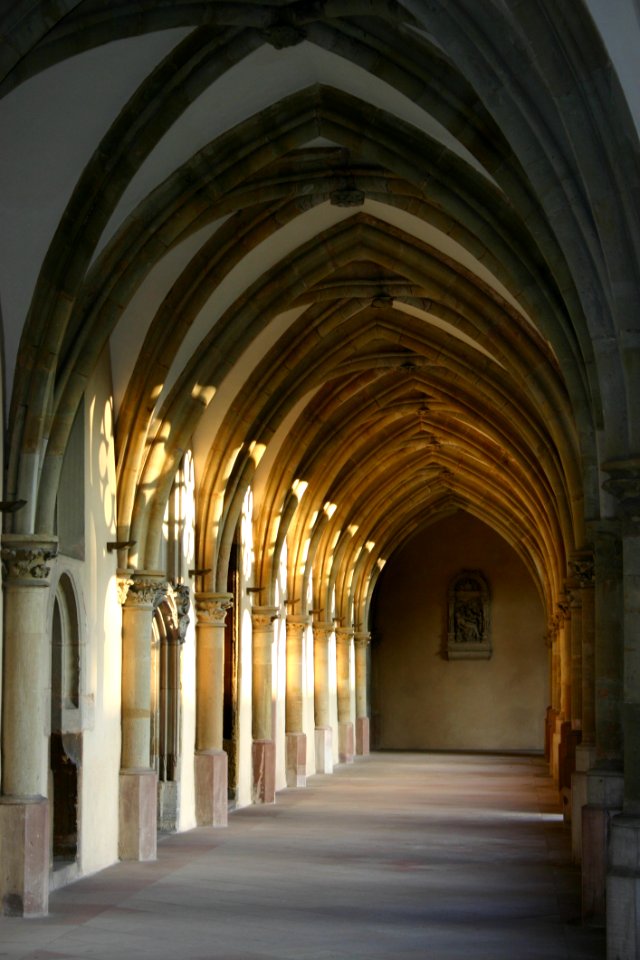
pixel 432 856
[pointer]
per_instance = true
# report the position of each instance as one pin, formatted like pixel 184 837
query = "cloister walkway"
pixel 432 856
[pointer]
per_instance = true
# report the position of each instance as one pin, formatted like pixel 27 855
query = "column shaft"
pixel 262 619
pixel 321 634
pixel 296 627
pixel 24 814
pixel 211 609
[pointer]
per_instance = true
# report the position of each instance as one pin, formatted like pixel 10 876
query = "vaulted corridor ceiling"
pixel 342 249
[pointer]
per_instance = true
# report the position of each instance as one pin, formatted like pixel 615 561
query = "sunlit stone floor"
pixel 400 855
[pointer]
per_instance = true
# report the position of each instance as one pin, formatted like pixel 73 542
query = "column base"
pixel 211 779
pixel 296 759
pixel 362 736
pixel 623 889
pixel 24 857
pixel 604 794
pixel 138 836
pixel 585 755
pixel 324 749
pixel 263 754
pixel 345 742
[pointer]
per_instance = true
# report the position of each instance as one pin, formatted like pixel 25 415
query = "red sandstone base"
pixel 264 771
pixel 138 815
pixel 362 737
pixel 211 779
pixel 24 857
pixel 345 742
pixel 296 759
pixel 324 749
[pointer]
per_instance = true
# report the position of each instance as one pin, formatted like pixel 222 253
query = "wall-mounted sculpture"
pixel 469 622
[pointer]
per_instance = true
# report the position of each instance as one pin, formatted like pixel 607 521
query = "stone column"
pixel 24 813
pixel 210 762
pixel 623 880
pixel 362 641
pixel 557 714
pixel 344 644
pixel 582 570
pixel 604 778
pixel 296 746
pixel 138 782
pixel 263 750
pixel 323 732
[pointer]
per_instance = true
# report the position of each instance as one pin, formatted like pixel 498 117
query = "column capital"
pixel 182 598
pixel 211 608
pixel 563 605
pixel 344 634
pixel 582 568
pixel 362 638
pixel 298 623
pixel 262 617
pixel 25 558
pixel 322 630
pixel 147 589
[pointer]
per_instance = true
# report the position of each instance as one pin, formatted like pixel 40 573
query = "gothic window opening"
pixel 65 736
pixel 168 634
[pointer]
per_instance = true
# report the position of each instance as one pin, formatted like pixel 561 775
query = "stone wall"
pixel 422 699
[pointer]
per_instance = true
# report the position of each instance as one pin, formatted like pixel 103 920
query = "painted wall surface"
pixel 103 626
pixel 421 700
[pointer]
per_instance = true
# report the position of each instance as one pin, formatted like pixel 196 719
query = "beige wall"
pixel 423 701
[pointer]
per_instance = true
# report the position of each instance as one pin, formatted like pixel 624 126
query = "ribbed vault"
pixel 372 316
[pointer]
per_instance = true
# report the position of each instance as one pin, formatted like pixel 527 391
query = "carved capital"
pixel 26 558
pixel 344 634
pixel 123 583
pixel 182 596
pixel 582 567
pixel 212 608
pixel 297 624
pixel 147 590
pixel 564 609
pixel 322 630
pixel 262 617
pixel 362 639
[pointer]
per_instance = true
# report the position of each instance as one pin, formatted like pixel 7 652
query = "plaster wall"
pixel 103 631
pixel 421 700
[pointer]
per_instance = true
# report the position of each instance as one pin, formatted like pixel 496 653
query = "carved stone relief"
pixel 469 635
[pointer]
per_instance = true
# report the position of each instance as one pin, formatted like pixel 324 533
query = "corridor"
pixel 438 856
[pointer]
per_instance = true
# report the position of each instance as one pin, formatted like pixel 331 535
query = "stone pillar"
pixel 582 570
pixel 323 732
pixel 24 814
pixel 296 746
pixel 263 750
pixel 604 778
pixel 210 762
pixel 623 879
pixel 344 644
pixel 362 641
pixel 138 782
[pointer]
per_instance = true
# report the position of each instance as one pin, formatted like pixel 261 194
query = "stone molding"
pixel 297 624
pixel 344 634
pixel 25 558
pixel 362 638
pixel 211 608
